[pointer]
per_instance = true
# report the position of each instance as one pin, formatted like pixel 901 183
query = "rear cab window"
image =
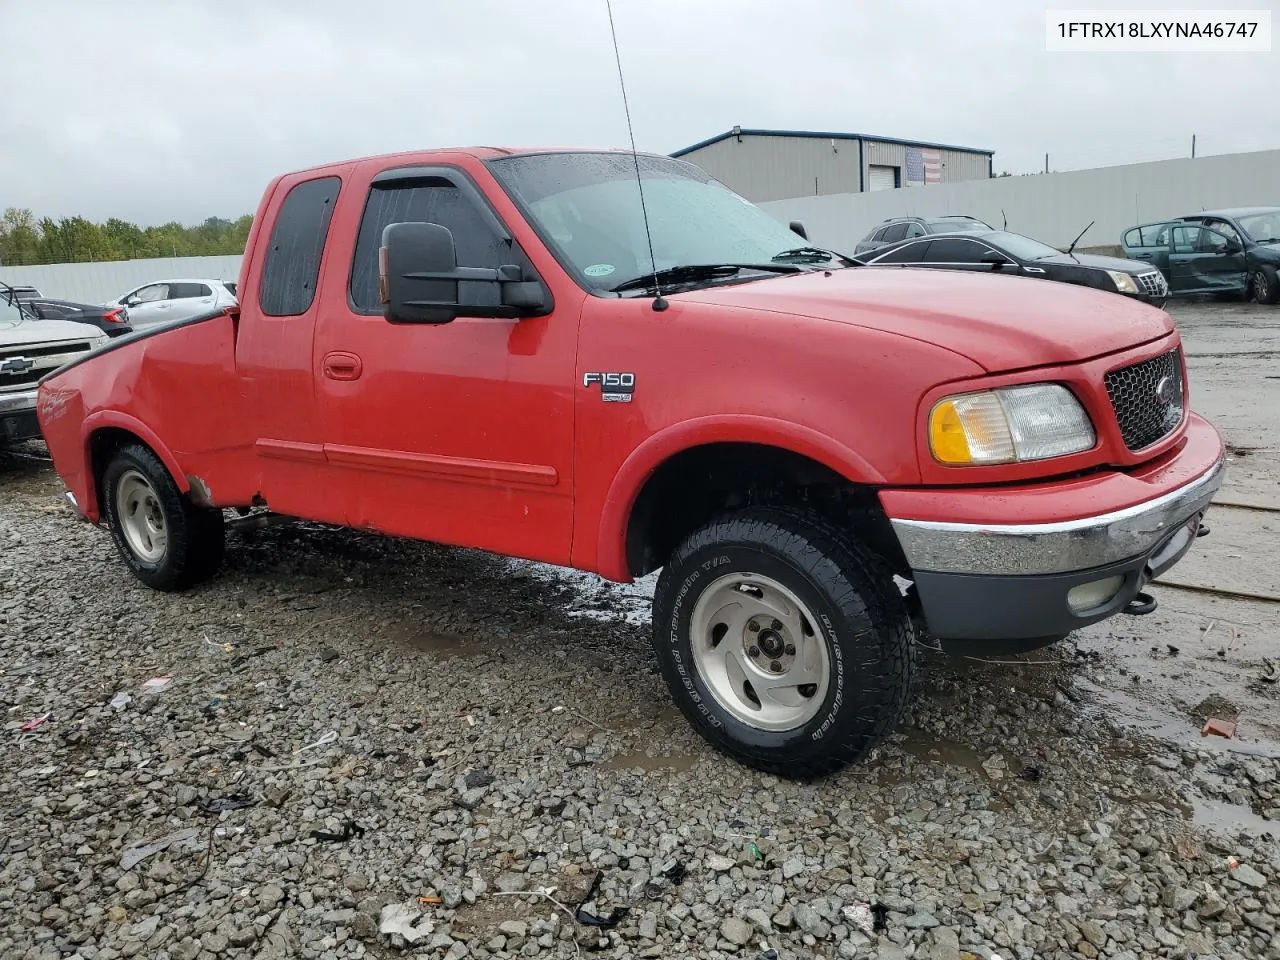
pixel 291 268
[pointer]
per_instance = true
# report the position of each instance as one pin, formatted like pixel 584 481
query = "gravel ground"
pixel 482 745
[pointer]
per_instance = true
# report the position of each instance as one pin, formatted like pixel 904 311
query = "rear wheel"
pixel 1263 287
pixel 786 644
pixel 167 541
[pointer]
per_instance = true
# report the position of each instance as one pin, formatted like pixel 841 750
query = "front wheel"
pixel 1263 287
pixel 785 643
pixel 167 541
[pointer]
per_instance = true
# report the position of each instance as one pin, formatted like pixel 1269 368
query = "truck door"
pixel 461 432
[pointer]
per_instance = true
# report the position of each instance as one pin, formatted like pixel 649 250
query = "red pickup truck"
pixel 522 351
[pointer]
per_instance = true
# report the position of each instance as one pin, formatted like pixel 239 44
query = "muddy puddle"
pixel 1164 723
pixel 25 469
pixel 642 760
pixel 1230 819
pixel 441 645
pixel 923 746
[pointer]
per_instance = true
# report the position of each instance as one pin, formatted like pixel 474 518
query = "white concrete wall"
pixel 1053 207
pixel 100 282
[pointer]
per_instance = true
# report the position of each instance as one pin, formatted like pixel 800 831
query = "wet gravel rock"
pixel 444 751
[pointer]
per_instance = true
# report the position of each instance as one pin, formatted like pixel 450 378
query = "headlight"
pixel 1124 283
pixel 1010 425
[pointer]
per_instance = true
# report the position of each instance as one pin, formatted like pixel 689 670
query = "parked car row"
pixel 171 301
pixel 1011 254
pixel 1234 251
pixel 39 333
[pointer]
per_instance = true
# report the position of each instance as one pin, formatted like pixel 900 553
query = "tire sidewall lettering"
pixel 677 649
pixel 837 676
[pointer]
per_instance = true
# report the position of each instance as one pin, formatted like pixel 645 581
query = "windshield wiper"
pixel 693 272
pixel 811 254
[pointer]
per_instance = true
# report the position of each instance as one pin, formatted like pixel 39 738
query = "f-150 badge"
pixel 614 387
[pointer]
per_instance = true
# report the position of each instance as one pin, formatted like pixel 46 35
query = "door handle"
pixel 342 366
pixel 1142 256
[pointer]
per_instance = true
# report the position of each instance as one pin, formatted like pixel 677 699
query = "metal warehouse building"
pixel 781 164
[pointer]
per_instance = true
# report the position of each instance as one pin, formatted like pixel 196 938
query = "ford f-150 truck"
pixel 610 361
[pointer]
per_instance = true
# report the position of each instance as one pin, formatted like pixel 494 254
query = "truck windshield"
pixel 586 206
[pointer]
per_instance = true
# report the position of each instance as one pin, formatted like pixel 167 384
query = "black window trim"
pixel 900 223
pixel 905 244
pixel 459 178
pixel 963 263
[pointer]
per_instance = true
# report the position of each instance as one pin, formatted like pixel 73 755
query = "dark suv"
pixel 904 228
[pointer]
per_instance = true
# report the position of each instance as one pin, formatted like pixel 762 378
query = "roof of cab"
pixel 479 153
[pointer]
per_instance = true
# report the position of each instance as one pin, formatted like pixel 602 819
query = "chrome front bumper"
pixel 1052 548
pixel 18 402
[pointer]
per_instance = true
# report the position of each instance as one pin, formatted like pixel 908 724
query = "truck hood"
pixel 47 331
pixel 1000 323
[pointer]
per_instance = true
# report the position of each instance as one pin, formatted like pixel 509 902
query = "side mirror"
pixel 1233 246
pixel 418 276
pixel 132 301
pixel 995 260
pixel 798 228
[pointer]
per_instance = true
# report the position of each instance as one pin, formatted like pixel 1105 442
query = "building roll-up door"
pixel 881 178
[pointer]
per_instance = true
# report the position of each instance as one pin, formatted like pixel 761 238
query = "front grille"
pixel 48 350
pixel 22 379
pixel 23 366
pixel 1148 398
pixel 1153 284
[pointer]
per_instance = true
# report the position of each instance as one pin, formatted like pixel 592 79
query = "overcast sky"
pixel 153 110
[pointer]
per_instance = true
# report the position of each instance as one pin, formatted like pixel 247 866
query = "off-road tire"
pixel 849 588
pixel 195 535
pixel 1263 285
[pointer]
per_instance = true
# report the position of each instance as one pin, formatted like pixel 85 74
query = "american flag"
pixel 932 164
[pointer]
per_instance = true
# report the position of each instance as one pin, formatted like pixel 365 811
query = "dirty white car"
pixel 30 348
pixel 171 301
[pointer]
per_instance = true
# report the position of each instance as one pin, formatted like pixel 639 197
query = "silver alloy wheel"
pixel 760 651
pixel 1260 286
pixel 141 517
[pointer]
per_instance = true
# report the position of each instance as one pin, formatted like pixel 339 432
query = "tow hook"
pixel 1142 604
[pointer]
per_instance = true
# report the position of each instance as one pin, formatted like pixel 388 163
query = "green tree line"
pixel 26 241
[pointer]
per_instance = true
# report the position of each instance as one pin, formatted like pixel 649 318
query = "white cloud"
pixel 154 110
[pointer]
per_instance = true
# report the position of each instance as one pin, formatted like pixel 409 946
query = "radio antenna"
pixel 659 303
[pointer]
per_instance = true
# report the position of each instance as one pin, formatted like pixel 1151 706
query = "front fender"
pixel 114 419
pixel 611 555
